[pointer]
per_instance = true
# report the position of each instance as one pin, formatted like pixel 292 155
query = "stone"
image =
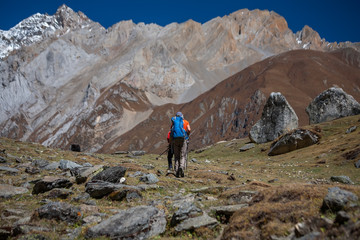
pixel 9 170
pixel 149 178
pixel 338 199
pixel 8 191
pixel 277 118
pixel 332 104
pixel 3 160
pixel 225 212
pixel 357 164
pixel 186 210
pixel 247 147
pixel 60 211
pixel 111 174
pixel 241 197
pixel 197 222
pixel 59 193
pixel 342 217
pixel 83 173
pixel 137 153
pixel 32 170
pixel 99 189
pixel 91 219
pixel 41 163
pixel 52 166
pixel 294 140
pixel 351 129
pixel 141 222
pixel 66 164
pixel 49 183
pixel 129 194
pixel 341 179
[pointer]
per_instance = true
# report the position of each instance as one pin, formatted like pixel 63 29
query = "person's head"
pixel 179 114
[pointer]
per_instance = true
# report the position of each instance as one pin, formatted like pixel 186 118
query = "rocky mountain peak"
pixel 70 19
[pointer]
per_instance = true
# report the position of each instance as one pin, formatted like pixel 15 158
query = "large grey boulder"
pixel 296 139
pixel 141 222
pixel 277 118
pixel 331 104
pixel 197 222
pixel 187 210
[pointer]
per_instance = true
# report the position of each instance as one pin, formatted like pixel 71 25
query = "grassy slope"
pixel 291 174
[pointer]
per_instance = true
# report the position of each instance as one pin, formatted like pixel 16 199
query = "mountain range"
pixel 67 80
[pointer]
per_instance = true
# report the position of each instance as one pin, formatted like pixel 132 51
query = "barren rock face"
pixel 72 81
pixel 332 104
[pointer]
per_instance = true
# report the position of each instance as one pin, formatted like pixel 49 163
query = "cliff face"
pixel 65 78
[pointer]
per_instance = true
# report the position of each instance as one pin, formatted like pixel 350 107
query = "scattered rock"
pixel 136 174
pixel 332 104
pixel 140 222
pixel 3 160
pixel 66 164
pixel 337 199
pixel 291 141
pixel 237 163
pixel 351 129
pixel 277 118
pixel 8 191
pixel 197 222
pixel 9 170
pixel 186 210
pixel 59 193
pixel 357 164
pixel 149 178
pixel 52 166
pixel 341 179
pixel 91 219
pixel 342 217
pixel 247 147
pixel 60 211
pixel 111 174
pixel 241 197
pixel 83 173
pixel 32 170
pixel 148 166
pixel 41 163
pixel 126 193
pixel 137 153
pixel 194 160
pixel 49 183
pixel 210 190
pixel 225 212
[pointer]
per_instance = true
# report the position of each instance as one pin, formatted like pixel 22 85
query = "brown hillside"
pixel 229 109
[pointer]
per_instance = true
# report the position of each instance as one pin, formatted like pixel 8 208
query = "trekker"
pixel 170 152
pixel 177 139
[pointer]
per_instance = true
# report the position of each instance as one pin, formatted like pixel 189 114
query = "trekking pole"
pixel 167 149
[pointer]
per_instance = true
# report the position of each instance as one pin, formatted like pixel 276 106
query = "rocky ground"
pixel 231 190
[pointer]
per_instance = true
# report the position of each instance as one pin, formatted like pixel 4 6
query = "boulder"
pixel 277 118
pixel 186 210
pixel 59 193
pixel 291 141
pixel 60 211
pixel 9 170
pixel 82 174
pixel 149 178
pixel 332 104
pixel 338 199
pixel 66 164
pixel 141 222
pixel 197 222
pixel 99 189
pixel 357 164
pixel 129 194
pixel 341 179
pixel 41 163
pixel 8 191
pixel 49 183
pixel 111 174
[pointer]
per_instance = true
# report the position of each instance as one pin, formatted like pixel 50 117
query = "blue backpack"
pixel 177 129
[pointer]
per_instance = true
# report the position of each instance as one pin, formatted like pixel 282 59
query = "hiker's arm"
pixel 188 130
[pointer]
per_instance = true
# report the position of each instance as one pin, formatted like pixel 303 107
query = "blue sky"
pixel 334 20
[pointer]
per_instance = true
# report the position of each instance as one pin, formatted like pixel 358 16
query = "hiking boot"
pixel 181 172
pixel 177 174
